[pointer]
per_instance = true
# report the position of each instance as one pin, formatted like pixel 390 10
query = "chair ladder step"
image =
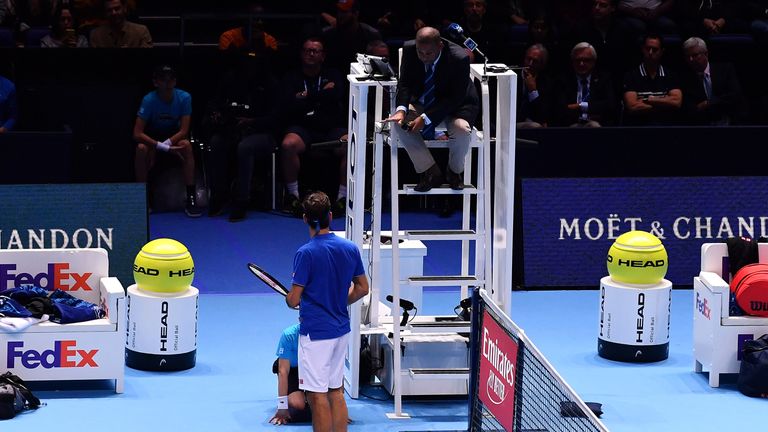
pixel 437 373
pixel 408 189
pixel 440 235
pixel 444 280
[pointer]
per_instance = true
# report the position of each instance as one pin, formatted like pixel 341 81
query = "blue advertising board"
pixel 111 216
pixel 570 223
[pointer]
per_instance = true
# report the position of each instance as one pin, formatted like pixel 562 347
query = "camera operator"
pixel 240 119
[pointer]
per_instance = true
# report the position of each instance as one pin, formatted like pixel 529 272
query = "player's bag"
pixel 753 374
pixel 750 288
pixel 15 396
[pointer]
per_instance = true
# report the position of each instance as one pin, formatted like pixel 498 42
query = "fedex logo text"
pixel 57 277
pixel 703 307
pixel 63 355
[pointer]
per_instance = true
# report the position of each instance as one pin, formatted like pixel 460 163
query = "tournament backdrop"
pixel 569 223
pixel 111 216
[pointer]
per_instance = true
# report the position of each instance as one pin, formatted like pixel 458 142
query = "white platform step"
pixel 435 373
pixel 444 189
pixel 440 235
pixel 439 327
pixel 444 280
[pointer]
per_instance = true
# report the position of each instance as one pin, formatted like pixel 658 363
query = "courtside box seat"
pixel 717 336
pixel 47 351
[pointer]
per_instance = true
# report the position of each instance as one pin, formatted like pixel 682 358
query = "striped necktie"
pixel 427 99
pixel 707 81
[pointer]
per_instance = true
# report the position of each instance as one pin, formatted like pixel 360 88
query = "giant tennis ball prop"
pixel 163 266
pixel 637 257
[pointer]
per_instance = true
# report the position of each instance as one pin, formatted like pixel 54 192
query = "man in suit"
pixel 711 91
pixel 434 86
pixel 586 97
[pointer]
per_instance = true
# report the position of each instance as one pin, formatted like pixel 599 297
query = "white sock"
pixel 342 192
pixel 293 188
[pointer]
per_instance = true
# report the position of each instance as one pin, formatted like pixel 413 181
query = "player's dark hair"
pixel 317 208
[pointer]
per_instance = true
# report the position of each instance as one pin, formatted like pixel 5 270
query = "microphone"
pixel 405 304
pixel 457 33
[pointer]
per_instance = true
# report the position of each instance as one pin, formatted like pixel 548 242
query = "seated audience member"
pixel 118 32
pixel 313 103
pixel 242 115
pixel 533 88
pixel 348 36
pixel 756 12
pixel 711 91
pixel 711 17
pixel 63 32
pixel 652 94
pixel 9 109
pixel 603 32
pixel 489 37
pixel 24 14
pixel 584 96
pixel 640 17
pixel 162 125
pixel 90 13
pixel 434 87
pixel 250 37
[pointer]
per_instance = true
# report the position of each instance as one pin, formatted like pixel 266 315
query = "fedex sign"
pixel 63 355
pixel 57 276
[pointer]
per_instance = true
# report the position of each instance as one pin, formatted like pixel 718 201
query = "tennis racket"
pixel 268 279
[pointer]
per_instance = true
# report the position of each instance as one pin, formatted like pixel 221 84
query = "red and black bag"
pixel 750 287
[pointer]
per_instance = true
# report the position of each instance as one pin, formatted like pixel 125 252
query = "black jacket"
pixel 455 93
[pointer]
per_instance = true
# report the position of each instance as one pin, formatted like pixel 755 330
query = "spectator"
pixel 243 116
pixel 603 32
pixel 640 17
pixel 118 32
pixel 313 103
pixel 25 14
pixel 756 12
pixel 534 88
pixel 348 37
pixel 63 33
pixel 162 125
pixel 328 275
pixel 434 86
pixel 489 37
pixel 652 94
pixel 712 17
pixel 292 405
pixel 90 13
pixel 711 91
pixel 585 97
pixel 250 37
pixel 9 109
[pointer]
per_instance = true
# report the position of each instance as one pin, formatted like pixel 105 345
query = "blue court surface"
pixel 231 388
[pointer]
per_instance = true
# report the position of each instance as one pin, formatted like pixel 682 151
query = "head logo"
pixel 63 355
pixel 56 277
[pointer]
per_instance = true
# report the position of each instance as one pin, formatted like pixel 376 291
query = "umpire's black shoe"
pixel 191 209
pixel 292 205
pixel 430 178
pixel 239 211
pixel 455 181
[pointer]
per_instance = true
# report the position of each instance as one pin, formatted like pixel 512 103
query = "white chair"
pixel 717 336
pixel 47 351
